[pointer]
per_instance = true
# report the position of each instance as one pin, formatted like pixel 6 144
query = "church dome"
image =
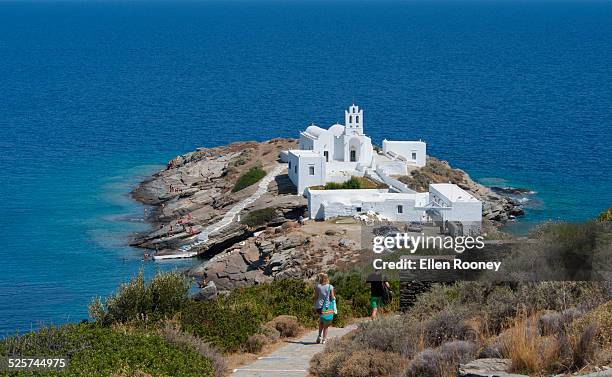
pixel 315 131
pixel 337 129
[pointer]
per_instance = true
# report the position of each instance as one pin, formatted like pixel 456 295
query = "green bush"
pixel 175 336
pixel 100 351
pixel 229 321
pixel 249 178
pixel 164 295
pixel 352 184
pixel 259 217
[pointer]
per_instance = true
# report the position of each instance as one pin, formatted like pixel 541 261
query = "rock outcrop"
pixel 287 251
pixel 495 206
pixel 195 190
pixel 491 367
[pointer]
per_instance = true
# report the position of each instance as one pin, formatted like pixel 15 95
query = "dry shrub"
pixel 448 325
pixel 438 298
pixel 583 346
pixel 523 346
pixel 563 348
pixel 173 334
pixel 602 317
pixel 425 364
pixel 495 347
pixel 271 333
pixel 346 357
pixel 327 363
pixel 561 295
pixel 371 362
pixel 500 307
pixel 442 361
pixel 255 343
pixel 287 325
pixel 458 351
pixel 555 323
pixel 383 334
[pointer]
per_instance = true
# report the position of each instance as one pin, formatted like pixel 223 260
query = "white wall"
pixel 325 204
pixel 406 150
pixel 299 170
pixel 325 141
pixel 306 143
pixel 461 210
pixel 464 212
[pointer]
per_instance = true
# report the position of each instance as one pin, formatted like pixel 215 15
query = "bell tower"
pixel 353 120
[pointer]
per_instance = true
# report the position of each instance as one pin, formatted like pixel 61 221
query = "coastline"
pixel 194 192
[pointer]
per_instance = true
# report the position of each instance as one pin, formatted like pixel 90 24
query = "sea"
pixel 97 95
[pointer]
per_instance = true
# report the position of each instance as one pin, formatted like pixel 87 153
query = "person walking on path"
pixel 324 305
pixel 378 285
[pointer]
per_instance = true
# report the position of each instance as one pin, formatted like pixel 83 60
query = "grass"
pixel 259 217
pixel 352 184
pixel 254 175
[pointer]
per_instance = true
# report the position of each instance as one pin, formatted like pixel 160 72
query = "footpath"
pixel 292 359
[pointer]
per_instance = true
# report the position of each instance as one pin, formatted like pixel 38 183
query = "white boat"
pixel 178 255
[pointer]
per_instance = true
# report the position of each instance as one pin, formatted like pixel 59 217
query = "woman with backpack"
pixel 324 305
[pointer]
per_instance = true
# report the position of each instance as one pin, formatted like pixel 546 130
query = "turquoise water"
pixel 95 96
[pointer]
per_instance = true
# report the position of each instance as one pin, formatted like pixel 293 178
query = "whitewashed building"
pixel 406 207
pixel 342 151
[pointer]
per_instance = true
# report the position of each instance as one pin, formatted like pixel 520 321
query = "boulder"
pixel 207 293
pixel 491 367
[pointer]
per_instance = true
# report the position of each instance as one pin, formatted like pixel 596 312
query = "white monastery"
pixel 342 151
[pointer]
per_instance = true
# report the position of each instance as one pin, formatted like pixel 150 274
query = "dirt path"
pixel 290 360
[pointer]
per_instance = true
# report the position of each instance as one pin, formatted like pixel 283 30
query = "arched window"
pixel 353 155
pixel 350 119
pixel 357 119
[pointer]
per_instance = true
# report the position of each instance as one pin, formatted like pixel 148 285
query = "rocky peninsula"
pixel 196 191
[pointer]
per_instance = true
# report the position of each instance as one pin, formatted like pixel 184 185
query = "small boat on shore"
pixel 174 255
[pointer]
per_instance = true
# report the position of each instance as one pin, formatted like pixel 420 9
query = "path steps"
pixel 292 359
pixel 185 250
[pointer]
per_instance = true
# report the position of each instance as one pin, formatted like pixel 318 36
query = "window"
pixel 357 118
pixel 326 154
pixel 400 209
pixel 311 170
pixel 358 209
pixel 353 156
pixel 414 155
pixel 295 169
pixel 289 165
pixel 350 119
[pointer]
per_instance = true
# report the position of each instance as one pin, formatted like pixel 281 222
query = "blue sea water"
pixel 96 95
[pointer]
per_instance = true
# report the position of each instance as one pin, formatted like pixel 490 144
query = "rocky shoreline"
pixel 195 191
